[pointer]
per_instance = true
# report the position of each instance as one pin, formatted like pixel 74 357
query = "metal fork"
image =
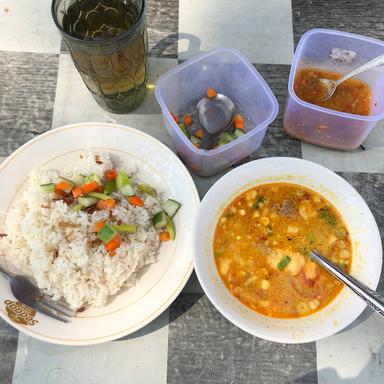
pixel 32 296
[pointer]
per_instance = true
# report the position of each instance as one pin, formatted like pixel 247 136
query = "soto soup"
pixel 261 249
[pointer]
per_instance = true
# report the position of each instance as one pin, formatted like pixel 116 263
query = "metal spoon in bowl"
pixel 371 297
pixel 215 116
pixel 331 85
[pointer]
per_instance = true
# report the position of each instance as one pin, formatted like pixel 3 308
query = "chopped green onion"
pixel 110 186
pixel 46 188
pixel 106 233
pixel 283 262
pixel 341 233
pixel 259 202
pixel 311 238
pixel 100 196
pixel 218 254
pixel 129 228
pixel 145 188
pixel 328 216
pixel 124 184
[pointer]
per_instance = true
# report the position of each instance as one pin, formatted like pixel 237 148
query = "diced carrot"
pixel 111 174
pixel 63 185
pixel 136 201
pixel 164 236
pixel 211 93
pixel 188 120
pixel 89 187
pixel 113 244
pixel 199 134
pixel 175 118
pixel 197 145
pixel 59 192
pixel 99 225
pixel 106 204
pixel 77 191
pixel 238 121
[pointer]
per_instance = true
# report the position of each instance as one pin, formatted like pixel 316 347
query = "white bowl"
pixel 159 286
pixel 367 250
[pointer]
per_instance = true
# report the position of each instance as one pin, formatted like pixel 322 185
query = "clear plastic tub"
pixel 322 126
pixel 230 73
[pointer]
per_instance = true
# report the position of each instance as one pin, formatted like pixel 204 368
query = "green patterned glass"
pixel 108 43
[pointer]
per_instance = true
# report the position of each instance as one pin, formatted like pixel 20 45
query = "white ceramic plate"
pixel 160 285
pixel 367 251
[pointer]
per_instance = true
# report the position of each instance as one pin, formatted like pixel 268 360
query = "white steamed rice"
pixel 62 260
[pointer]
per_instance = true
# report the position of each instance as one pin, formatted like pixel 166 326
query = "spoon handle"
pixel 371 297
pixel 371 64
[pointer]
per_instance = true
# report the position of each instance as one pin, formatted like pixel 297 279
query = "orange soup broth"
pixel 352 96
pixel 264 227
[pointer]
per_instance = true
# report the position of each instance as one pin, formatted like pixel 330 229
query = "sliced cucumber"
pixel 79 179
pixel 61 178
pixel 87 201
pixel 124 184
pixel 195 140
pixel 145 188
pixel 128 228
pixel 171 228
pixel 159 220
pixel 46 188
pixel 238 133
pixel 106 233
pixel 226 136
pixel 110 186
pixel 171 207
pixel 100 196
pixel 184 130
pixel 67 190
pixel 92 177
pixel 77 208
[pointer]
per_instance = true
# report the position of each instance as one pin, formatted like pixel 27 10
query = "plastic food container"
pixel 322 126
pixel 230 73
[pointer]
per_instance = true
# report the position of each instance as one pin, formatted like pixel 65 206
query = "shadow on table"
pixel 194 44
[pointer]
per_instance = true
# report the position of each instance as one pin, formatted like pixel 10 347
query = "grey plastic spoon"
pixel 331 85
pixel 215 116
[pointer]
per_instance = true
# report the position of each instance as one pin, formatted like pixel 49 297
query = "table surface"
pixel 191 342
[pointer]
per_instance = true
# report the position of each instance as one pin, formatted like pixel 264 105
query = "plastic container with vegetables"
pixel 190 127
pixel 227 72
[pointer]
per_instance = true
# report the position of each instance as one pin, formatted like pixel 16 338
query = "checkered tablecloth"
pixel 191 342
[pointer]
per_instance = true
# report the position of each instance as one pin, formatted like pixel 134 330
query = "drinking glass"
pixel 107 40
